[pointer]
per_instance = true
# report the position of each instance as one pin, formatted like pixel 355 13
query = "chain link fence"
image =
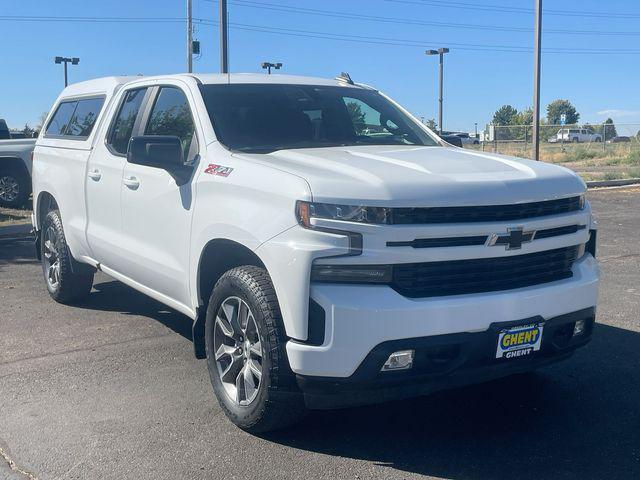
pixel 597 152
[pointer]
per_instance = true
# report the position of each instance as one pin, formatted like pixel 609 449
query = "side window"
pixel 125 120
pixel 366 120
pixel 61 118
pixel 84 117
pixel 171 116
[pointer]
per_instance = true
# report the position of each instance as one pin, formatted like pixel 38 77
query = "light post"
pixel 440 52
pixel 268 66
pixel 537 53
pixel 65 60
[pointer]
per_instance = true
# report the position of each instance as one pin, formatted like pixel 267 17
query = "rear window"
pixel 75 118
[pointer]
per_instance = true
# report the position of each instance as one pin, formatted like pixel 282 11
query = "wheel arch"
pixel 217 257
pixel 12 161
pixel 43 205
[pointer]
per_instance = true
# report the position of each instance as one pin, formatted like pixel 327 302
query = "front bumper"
pixel 358 318
pixel 444 361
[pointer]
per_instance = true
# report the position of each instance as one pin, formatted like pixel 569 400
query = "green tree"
pixel 504 115
pixel 433 125
pixel 559 107
pixel 525 117
pixel 357 116
pixel 28 131
pixel 609 129
pixel 41 121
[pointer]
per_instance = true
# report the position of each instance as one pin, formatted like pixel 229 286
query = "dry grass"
pixel 594 161
pixel 12 216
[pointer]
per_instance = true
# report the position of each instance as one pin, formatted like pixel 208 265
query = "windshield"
pixel 261 118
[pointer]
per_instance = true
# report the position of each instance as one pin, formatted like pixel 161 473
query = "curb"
pixel 613 183
pixel 11 232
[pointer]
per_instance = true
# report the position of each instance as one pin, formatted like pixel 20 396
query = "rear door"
pixel 156 205
pixel 104 182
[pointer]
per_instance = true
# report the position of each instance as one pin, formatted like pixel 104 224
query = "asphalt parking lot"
pixel 110 390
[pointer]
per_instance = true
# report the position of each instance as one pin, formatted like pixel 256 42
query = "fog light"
pixel 579 328
pixel 402 360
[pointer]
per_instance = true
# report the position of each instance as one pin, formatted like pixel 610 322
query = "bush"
pixel 634 156
pixel 580 153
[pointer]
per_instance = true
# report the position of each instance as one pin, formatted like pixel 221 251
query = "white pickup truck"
pixel 575 135
pixel 321 265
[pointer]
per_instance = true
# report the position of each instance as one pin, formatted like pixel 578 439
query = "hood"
pixel 406 176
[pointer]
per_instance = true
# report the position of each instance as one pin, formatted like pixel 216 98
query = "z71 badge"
pixel 218 170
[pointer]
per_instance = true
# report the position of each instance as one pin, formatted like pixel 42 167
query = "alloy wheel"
pixel 9 188
pixel 51 257
pixel 238 350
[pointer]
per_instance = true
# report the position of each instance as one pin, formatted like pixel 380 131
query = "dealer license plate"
pixel 520 341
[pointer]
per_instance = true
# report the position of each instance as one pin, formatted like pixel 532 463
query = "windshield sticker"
pixel 218 170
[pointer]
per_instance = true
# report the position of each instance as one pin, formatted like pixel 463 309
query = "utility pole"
pixel 65 60
pixel 440 52
pixel 537 52
pixel 189 36
pixel 224 38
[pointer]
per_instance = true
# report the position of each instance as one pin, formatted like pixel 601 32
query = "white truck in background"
pixel 328 249
pixel 575 135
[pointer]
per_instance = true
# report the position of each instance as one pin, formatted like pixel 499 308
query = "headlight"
pixel 305 211
pixel 583 201
pixel 351 273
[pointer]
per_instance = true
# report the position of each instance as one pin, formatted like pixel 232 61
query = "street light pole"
pixel 440 52
pixel 224 38
pixel 537 52
pixel 268 66
pixel 65 60
pixel 189 36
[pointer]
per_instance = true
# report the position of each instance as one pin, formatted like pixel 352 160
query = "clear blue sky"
pixel 479 75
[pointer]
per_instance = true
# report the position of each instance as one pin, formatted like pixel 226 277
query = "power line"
pixel 371 40
pixel 33 18
pixel 406 21
pixel 507 9
pixel 413 43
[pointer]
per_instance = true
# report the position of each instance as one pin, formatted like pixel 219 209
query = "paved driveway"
pixel 110 390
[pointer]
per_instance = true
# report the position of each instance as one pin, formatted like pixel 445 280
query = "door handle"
pixel 95 175
pixel 132 182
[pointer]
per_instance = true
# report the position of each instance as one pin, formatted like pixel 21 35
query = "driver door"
pixel 157 204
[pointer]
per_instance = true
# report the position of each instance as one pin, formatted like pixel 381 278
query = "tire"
pixel 63 283
pixel 598 139
pixel 15 187
pixel 575 140
pixel 262 403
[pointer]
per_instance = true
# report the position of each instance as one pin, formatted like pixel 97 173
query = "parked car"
pixel 319 266
pixel 467 139
pixel 619 139
pixel 15 171
pixel 575 135
pixel 454 140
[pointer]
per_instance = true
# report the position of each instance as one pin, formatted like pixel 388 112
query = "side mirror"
pixel 160 151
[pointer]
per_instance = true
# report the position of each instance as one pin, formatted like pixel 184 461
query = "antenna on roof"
pixel 345 77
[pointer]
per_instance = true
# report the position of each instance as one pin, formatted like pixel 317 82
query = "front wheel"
pixel 246 357
pixel 64 285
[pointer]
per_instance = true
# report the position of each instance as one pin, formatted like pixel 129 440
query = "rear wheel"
pixel 15 187
pixel 246 357
pixel 64 285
